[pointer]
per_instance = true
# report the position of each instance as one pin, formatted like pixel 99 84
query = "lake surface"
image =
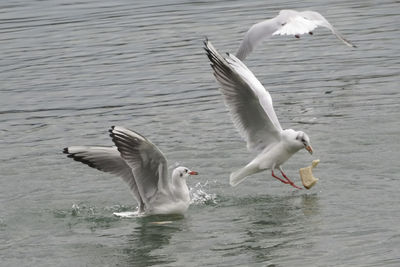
pixel 71 69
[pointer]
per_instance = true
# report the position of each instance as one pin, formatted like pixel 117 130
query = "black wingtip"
pixel 65 150
pixel 206 43
pixel 206 46
pixel 111 130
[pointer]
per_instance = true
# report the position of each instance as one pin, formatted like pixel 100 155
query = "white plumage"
pixel 252 113
pixel 143 167
pixel 288 22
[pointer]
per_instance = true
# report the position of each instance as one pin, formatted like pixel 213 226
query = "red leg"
pixel 288 180
pixel 280 179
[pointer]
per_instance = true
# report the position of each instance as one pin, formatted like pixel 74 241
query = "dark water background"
pixel 69 70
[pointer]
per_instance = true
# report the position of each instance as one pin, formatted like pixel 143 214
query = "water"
pixel 70 70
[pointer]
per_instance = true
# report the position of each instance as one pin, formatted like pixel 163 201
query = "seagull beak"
pixel 193 173
pixel 309 149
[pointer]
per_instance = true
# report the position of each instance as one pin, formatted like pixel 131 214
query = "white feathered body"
pixel 252 112
pixel 163 203
pixel 271 157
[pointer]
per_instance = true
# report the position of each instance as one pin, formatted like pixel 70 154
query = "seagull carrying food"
pixel 252 112
pixel 143 167
pixel 288 22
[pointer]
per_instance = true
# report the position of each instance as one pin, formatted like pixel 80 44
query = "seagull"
pixel 143 167
pixel 252 113
pixel 288 22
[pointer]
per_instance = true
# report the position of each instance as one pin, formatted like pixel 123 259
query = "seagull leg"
pixel 141 207
pixel 288 180
pixel 280 179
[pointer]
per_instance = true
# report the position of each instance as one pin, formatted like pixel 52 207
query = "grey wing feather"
pixel 148 164
pixel 106 159
pixel 249 103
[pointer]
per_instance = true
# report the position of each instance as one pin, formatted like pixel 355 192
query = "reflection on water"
pixel 152 233
pixel 134 246
pixel 309 204
pixel 271 227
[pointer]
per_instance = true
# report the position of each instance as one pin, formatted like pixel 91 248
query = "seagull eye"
pixel 186 170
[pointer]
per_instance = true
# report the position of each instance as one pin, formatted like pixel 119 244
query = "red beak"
pixel 193 173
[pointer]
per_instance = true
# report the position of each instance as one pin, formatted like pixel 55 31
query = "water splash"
pixel 124 211
pixel 198 194
pixel 128 214
pixel 77 209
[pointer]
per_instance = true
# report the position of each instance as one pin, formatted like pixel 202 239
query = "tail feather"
pixel 240 175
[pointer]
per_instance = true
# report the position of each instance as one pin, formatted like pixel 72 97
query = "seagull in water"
pixel 252 113
pixel 288 22
pixel 143 167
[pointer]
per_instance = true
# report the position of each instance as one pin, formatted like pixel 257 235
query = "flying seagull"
pixel 288 22
pixel 143 167
pixel 252 112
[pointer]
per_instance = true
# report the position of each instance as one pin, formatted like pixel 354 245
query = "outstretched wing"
pixel 248 101
pixel 148 163
pixel 288 22
pixel 255 35
pixel 106 159
pixel 319 20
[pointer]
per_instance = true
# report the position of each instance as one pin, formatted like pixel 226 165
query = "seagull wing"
pixel 148 163
pixel 255 35
pixel 248 101
pixel 319 20
pixel 293 23
pixel 288 22
pixel 106 159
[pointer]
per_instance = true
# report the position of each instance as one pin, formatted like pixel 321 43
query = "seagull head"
pixel 297 140
pixel 182 172
pixel 304 140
